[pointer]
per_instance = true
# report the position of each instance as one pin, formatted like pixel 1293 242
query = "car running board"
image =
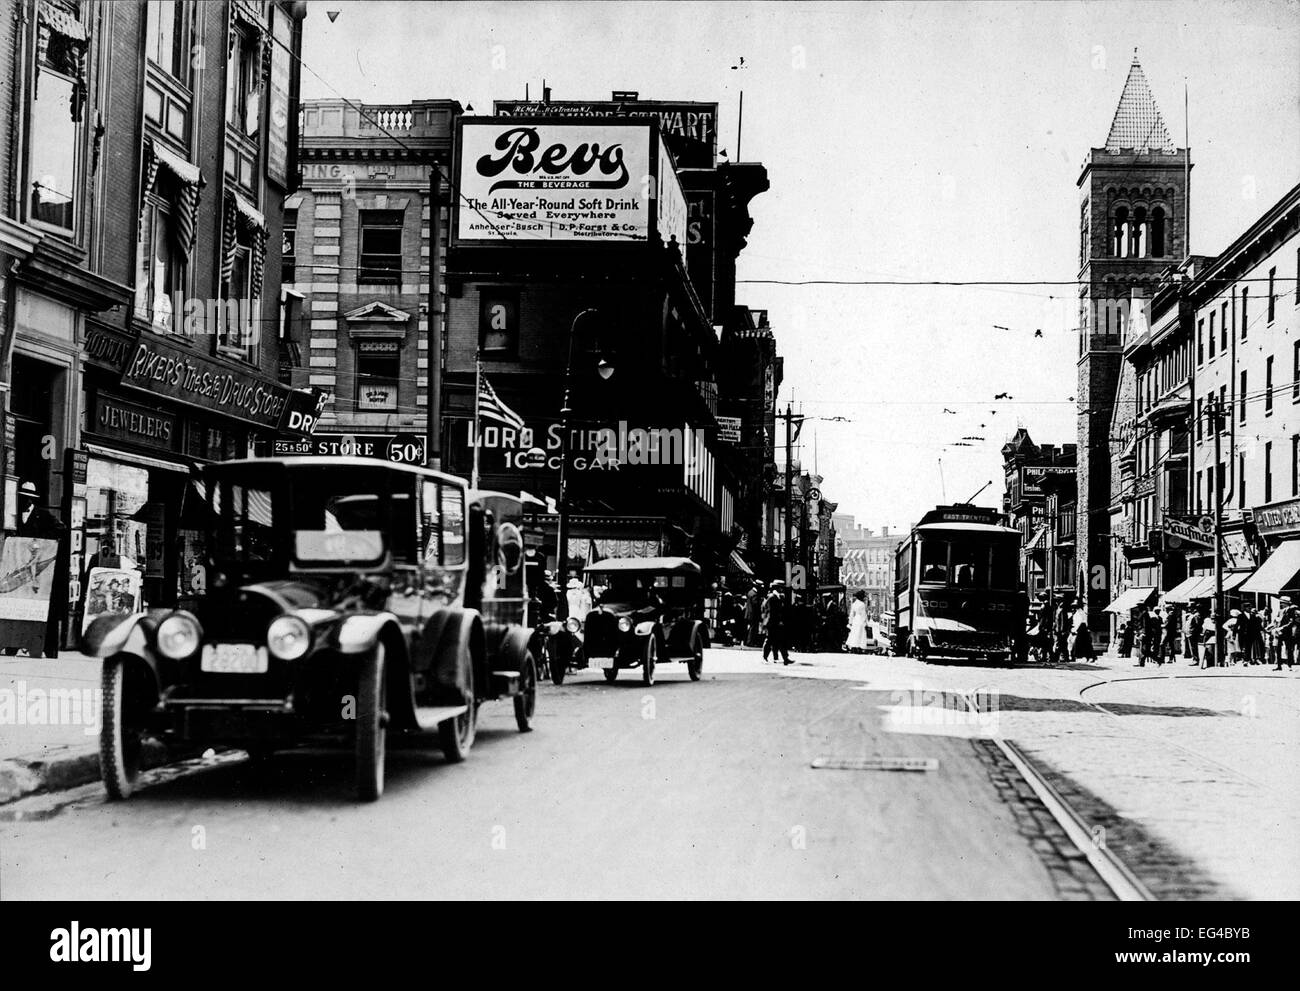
pixel 431 716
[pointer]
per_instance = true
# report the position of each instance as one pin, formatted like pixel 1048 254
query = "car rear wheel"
pixel 119 742
pixel 695 665
pixel 648 662
pixel 372 725
pixel 526 700
pixel 456 736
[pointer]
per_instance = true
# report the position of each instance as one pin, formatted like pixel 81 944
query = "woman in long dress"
pixel 858 640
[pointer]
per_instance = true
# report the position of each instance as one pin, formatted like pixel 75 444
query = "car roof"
pixel 680 565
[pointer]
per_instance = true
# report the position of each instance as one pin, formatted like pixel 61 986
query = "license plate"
pixel 604 663
pixel 233 658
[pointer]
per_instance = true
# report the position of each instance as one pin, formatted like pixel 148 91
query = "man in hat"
pixel 754 614
pixel 579 598
pixel 774 623
pixel 1289 629
pixel 33 519
pixel 1062 627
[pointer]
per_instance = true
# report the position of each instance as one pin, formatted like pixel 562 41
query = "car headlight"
pixel 624 624
pixel 573 624
pixel 178 636
pixel 287 638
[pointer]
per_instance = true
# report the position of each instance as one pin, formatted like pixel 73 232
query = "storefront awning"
pixel 136 459
pixel 1038 541
pixel 1279 573
pixel 1232 580
pixel 1131 599
pixel 739 563
pixel 1190 589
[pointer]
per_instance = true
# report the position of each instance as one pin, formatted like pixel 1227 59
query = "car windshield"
pixel 318 514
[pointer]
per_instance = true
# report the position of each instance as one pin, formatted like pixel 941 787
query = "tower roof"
pixel 1138 124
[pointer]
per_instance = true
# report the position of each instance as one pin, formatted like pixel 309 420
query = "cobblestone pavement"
pixel 1193 774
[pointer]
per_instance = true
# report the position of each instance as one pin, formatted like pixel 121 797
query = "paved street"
pixel 707 790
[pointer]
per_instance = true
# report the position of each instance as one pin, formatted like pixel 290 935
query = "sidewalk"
pixel 49 723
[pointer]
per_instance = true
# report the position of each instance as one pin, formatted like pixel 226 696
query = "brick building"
pixel 359 238
pixel 1132 224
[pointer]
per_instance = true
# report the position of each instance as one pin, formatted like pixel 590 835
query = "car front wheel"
pixel 119 742
pixel 526 700
pixel 648 663
pixel 372 726
pixel 695 666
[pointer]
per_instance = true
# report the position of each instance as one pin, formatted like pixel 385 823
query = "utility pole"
pixel 433 371
pixel 1216 424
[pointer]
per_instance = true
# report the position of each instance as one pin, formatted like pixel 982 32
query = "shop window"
pixel 378 370
pixel 160 275
pixel 167 37
pixel 243 82
pixel 379 259
pixel 499 322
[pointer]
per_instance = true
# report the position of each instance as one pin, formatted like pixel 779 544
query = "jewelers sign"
pixel 528 179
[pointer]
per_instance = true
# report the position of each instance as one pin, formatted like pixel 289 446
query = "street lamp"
pixel 605 369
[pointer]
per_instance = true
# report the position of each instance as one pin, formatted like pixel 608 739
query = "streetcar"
pixel 957 592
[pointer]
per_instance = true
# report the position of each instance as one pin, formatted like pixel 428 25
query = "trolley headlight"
pixel 178 636
pixel 624 624
pixel 287 638
pixel 573 624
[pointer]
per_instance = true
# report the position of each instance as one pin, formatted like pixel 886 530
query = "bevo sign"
pixel 527 179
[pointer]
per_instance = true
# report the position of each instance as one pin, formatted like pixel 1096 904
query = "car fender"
pixel 359 633
pixel 130 637
pixel 456 630
pixel 511 648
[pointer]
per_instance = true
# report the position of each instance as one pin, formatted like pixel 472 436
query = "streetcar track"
pixel 1112 871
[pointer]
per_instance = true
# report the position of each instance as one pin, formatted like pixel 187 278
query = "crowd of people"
pixel 1250 635
pixel 766 615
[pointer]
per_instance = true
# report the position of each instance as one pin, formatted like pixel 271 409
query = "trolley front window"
pixel 964 561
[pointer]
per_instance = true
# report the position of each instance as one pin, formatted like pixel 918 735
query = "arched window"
pixel 1119 233
pixel 1158 232
pixel 1138 234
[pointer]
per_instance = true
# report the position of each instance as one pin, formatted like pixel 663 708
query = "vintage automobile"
pixel 346 600
pixel 647 611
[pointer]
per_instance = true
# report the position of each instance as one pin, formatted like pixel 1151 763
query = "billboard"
pixel 689 129
pixel 671 209
pixel 529 180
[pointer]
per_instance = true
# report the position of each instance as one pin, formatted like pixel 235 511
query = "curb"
pixel 61 768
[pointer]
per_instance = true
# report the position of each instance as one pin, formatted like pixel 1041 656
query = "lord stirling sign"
pixel 536 180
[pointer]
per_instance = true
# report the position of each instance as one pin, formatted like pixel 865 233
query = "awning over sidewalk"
pixel 1187 590
pixel 1131 599
pixel 1280 573
pixel 739 564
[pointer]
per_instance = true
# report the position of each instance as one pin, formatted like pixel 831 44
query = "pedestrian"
pixel 1191 634
pixel 578 597
pixel 857 641
pixel 1125 638
pixel 775 615
pixel 1151 627
pixel 754 614
pixel 1232 635
pixel 1061 630
pixel 1082 645
pixel 835 625
pixel 1289 622
pixel 1209 640
pixel 1172 634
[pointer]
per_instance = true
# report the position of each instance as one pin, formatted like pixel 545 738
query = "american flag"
pixel 492 408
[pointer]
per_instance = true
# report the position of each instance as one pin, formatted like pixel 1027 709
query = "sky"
pixel 926 141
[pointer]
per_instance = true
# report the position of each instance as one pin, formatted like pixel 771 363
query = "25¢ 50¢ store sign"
pixel 531 181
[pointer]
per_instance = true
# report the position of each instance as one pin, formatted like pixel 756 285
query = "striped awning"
pixel 1130 599
pixel 1280 573
pixel 189 180
pixel 1191 588
pixel 739 564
